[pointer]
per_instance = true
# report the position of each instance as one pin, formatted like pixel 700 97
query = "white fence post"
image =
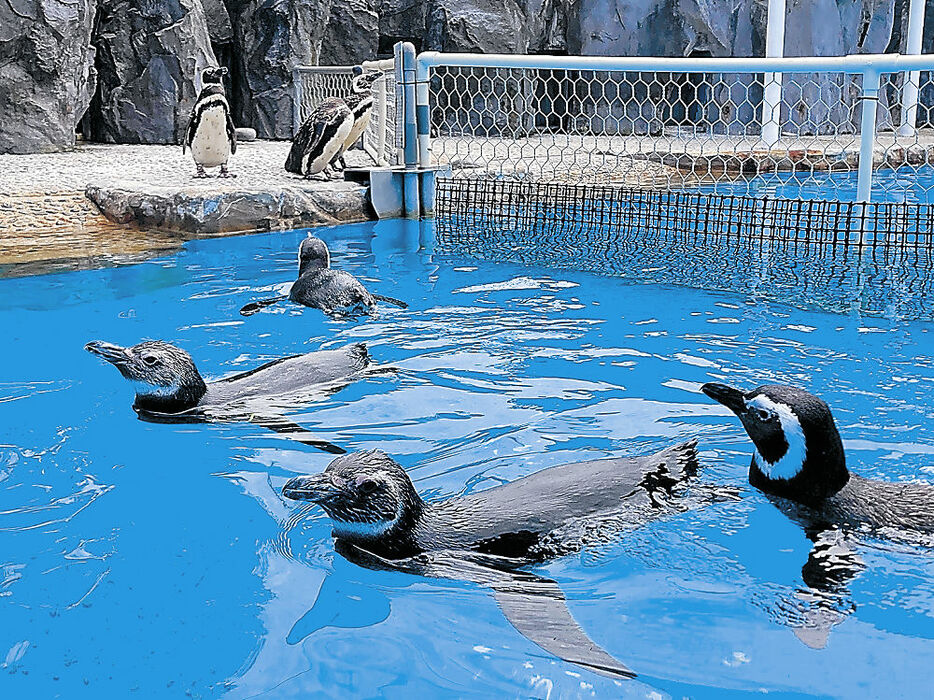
pixel 867 133
pixel 296 100
pixel 772 90
pixel 910 85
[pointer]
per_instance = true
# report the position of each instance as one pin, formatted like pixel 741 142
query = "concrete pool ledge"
pixel 215 206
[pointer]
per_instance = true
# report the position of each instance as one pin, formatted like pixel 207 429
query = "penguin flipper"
pixel 189 131
pixel 231 133
pixel 390 300
pixel 254 306
pixel 534 605
pixel 294 431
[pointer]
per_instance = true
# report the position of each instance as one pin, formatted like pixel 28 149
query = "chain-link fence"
pixel 313 84
pixel 679 130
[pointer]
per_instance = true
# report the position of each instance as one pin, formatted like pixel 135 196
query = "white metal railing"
pixel 676 123
pixel 313 84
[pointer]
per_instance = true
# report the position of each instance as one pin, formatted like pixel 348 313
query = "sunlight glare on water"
pixel 161 559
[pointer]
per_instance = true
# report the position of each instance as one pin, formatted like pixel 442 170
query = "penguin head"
pixel 313 253
pixel 164 376
pixel 213 76
pixel 367 494
pixel 799 453
pixel 363 80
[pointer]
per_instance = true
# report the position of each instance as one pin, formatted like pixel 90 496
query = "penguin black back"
pixel 373 503
pixel 320 139
pixel 320 287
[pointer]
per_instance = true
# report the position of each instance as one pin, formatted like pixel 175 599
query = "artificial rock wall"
pixel 126 70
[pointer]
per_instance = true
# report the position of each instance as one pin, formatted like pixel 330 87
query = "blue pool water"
pixel 912 185
pixel 150 560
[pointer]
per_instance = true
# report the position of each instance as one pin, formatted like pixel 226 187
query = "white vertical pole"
pixel 867 134
pixel 381 93
pixel 910 86
pixel 772 94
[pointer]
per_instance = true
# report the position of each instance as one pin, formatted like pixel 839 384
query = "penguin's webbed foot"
pixel 200 174
pixel 226 173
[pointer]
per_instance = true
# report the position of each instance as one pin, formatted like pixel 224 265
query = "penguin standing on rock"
pixel 360 102
pixel 321 139
pixel 210 133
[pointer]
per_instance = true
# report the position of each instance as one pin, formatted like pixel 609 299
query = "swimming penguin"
pixel 360 102
pixel 321 287
pixel 210 132
pixel 800 464
pixel 380 520
pixel 321 139
pixel 169 387
pixel 799 457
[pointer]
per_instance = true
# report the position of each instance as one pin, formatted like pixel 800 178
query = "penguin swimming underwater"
pixel 799 457
pixel 321 139
pixel 169 387
pixel 322 287
pixel 381 521
pixel 210 133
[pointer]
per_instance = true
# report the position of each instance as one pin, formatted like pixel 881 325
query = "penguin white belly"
pixel 330 148
pixel 210 146
pixel 359 126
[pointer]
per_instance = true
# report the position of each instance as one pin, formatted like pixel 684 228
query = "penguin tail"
pixel 293 163
pixel 390 300
pixel 683 458
pixel 254 306
pixel 360 355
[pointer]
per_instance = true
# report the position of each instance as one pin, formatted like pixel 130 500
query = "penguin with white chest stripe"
pixel 799 458
pixel 800 464
pixel 320 140
pixel 211 134
pixel 360 102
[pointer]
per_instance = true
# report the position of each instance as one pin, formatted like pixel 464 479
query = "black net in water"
pixel 845 256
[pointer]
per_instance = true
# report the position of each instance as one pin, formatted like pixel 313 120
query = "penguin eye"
pixel 150 360
pixel 763 415
pixel 367 485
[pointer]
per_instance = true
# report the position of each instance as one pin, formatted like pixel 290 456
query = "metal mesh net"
pixel 844 256
pixel 313 84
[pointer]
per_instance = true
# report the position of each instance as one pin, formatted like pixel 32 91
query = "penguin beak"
pixel 315 488
pixel 114 354
pixel 732 398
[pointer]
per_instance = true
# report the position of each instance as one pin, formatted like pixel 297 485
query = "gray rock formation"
pixel 46 72
pixel 218 21
pixel 272 37
pixel 230 210
pixel 149 57
pixel 352 33
pixel 486 26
